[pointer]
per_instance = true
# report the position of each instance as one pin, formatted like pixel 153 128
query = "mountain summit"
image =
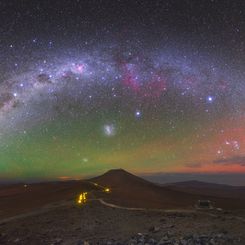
pixel 133 191
pixel 120 178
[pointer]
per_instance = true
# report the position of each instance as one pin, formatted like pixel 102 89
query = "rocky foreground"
pixel 171 239
pixel 98 224
pixel 167 239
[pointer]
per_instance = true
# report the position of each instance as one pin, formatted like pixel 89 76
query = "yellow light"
pixel 82 198
pixel 95 184
pixel 107 190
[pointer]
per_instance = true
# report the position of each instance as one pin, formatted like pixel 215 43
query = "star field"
pixel 89 86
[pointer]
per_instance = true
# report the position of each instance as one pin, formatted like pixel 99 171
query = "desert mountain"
pixel 117 178
pixel 210 189
pixel 126 190
pixel 133 191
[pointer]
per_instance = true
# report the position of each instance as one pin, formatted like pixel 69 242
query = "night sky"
pixel 148 86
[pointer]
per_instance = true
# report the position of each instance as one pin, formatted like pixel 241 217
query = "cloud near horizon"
pixel 240 160
pixel 233 160
pixel 194 165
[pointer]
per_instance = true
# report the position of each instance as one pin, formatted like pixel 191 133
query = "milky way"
pixel 144 105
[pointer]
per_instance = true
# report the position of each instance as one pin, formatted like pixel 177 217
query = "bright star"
pixel 210 99
pixel 137 114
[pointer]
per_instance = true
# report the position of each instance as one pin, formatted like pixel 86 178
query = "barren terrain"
pixel 135 211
